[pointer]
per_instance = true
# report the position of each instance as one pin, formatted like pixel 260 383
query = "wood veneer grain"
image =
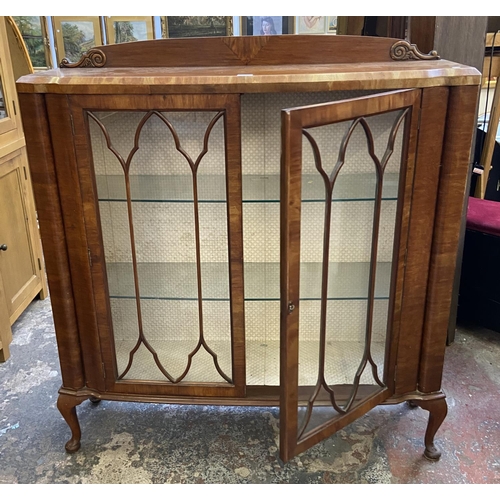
pixel 456 167
pixel 259 78
pixel 70 186
pixel 47 198
pixel 427 169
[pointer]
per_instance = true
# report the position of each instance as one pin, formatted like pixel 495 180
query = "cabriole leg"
pixel 67 406
pixel 437 409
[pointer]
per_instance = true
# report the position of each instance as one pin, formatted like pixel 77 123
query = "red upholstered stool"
pixel 484 216
pixel 479 294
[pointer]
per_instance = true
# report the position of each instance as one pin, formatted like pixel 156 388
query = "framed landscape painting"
pixel 33 29
pixel 196 26
pixel 120 29
pixel 75 35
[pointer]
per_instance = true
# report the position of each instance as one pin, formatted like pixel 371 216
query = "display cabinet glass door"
pixel 346 177
pixel 167 181
pixel 7 90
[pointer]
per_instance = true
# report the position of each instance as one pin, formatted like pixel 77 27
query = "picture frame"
pixel 267 25
pixel 75 35
pixel 311 25
pixel 331 25
pixel 34 32
pixel 196 26
pixel 121 29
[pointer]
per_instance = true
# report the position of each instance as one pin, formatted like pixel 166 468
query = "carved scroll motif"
pixel 94 58
pixel 403 51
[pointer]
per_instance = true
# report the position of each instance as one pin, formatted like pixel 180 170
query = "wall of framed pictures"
pixel 49 39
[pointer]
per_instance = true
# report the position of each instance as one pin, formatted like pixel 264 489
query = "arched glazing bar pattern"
pixel 329 184
pixel 193 165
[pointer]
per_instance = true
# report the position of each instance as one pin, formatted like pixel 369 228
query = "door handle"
pixel 3 247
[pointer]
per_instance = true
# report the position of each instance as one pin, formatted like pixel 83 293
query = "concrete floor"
pixel 152 443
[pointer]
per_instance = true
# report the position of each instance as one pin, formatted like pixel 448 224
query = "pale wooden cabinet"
pixel 253 221
pixel 22 274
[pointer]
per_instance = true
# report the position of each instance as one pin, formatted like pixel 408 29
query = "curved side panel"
pixel 41 159
pixel 459 132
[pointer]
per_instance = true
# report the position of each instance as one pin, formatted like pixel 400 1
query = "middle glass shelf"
pixel 177 280
pixel 256 188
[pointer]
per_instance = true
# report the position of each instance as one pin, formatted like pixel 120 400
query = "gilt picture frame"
pixel 34 32
pixel 196 26
pixel 75 35
pixel 121 29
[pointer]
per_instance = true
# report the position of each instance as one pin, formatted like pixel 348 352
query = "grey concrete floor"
pixel 156 444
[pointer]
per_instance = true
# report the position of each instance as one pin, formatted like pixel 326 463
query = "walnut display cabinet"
pixel 253 221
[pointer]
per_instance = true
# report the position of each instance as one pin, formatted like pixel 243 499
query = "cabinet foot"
pixel 67 407
pixel 437 409
pixel 94 400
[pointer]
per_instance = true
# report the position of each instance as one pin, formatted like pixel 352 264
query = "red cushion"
pixel 484 216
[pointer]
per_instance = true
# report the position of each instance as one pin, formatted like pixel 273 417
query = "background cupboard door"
pixel 161 184
pixel 20 263
pixel 347 174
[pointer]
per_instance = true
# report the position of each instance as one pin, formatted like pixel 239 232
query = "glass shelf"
pixel 256 188
pixel 177 281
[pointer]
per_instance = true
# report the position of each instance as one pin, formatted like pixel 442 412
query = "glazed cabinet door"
pixel 347 178
pixel 9 122
pixel 160 178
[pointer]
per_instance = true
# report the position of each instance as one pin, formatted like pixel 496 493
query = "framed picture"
pixel 120 29
pixel 331 25
pixel 196 26
pixel 34 31
pixel 75 35
pixel 310 25
pixel 266 25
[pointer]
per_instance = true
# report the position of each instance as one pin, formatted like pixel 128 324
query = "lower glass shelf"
pixel 177 280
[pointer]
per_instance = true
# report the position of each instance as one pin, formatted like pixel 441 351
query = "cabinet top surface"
pixel 250 64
